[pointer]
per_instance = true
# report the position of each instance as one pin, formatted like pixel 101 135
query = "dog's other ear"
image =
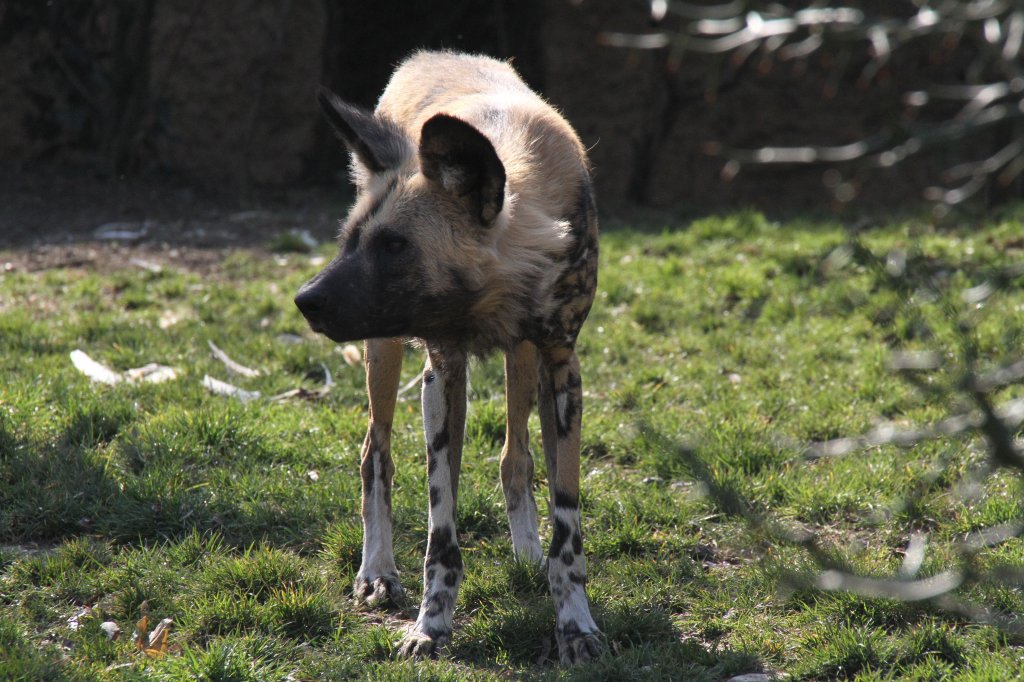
pixel 377 143
pixel 457 157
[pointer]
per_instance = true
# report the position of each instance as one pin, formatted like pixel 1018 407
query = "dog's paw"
pixel 576 646
pixel 421 645
pixel 379 591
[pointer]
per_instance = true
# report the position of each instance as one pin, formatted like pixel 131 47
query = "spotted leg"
pixel 516 461
pixel 444 421
pixel 377 581
pixel 560 403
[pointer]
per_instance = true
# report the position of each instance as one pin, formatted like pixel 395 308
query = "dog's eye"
pixel 394 244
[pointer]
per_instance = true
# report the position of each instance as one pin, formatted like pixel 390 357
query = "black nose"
pixel 310 301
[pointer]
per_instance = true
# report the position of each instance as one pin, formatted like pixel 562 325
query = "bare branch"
pixel 903 590
pixel 994 27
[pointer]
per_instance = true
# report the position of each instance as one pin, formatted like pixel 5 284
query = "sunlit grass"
pixel 740 337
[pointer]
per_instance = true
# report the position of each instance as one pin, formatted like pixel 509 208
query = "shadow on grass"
pixel 71 486
pixel 643 643
pixel 81 483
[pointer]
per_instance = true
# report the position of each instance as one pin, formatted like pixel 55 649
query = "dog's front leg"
pixel 377 581
pixel 560 405
pixel 444 422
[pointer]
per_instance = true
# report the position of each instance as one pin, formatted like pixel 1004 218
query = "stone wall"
pixel 220 93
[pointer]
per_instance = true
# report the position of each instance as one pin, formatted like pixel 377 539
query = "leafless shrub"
pixel 988 96
pixel 976 387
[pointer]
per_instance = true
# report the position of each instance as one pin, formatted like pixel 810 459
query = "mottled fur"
pixel 474 230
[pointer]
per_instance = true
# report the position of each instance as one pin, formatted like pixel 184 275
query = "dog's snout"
pixel 311 301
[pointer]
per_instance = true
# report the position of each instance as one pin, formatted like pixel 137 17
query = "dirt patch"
pixel 58 218
pixel 105 256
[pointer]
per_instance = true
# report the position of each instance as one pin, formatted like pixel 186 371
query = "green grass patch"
pixel 714 351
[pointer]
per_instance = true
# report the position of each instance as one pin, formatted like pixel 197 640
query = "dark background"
pixel 217 96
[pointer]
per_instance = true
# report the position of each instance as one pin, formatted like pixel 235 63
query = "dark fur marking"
pixel 439 601
pixel 574 294
pixel 431 461
pixel 386 473
pixel 558 537
pixel 577 579
pixel 431 572
pixel 451 578
pixel 568 558
pixel 580 222
pixel 435 495
pixel 352 239
pixel 565 419
pixel 436 634
pixel 564 500
pixel 441 439
pixel 366 469
pixel 573 381
pixel 577 543
pixel 441 549
pixel 570 630
pixel 574 291
pixel 376 140
pixel 452 558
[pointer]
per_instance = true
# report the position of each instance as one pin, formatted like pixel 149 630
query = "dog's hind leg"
pixel 561 403
pixel 516 461
pixel 444 423
pixel 377 581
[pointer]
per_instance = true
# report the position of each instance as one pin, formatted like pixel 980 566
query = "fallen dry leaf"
pixel 224 388
pixel 302 394
pixel 146 265
pixel 111 630
pixel 94 370
pixel 157 641
pixel 75 621
pixel 169 318
pixel 306 393
pixel 142 629
pixel 233 367
pixel 353 356
pixel 151 373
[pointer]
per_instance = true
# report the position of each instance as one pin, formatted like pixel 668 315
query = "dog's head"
pixel 406 265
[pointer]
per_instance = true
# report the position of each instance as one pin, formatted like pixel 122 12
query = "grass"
pixel 735 335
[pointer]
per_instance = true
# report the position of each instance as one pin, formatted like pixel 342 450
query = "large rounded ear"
pixel 458 159
pixel 376 142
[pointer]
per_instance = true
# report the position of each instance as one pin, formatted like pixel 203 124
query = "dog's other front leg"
pixel 516 461
pixel 561 404
pixel 444 422
pixel 377 581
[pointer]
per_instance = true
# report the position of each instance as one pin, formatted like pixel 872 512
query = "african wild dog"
pixel 474 229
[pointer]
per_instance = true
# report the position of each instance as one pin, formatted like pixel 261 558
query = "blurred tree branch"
pixel 959 377
pixel 990 94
